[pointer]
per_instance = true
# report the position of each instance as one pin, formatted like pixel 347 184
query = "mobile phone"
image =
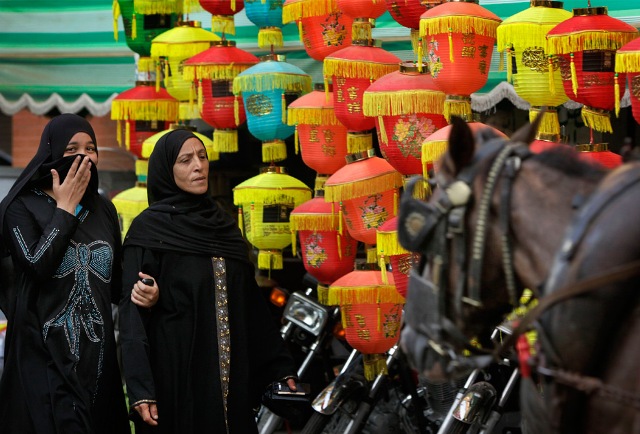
pixel 283 389
pixel 147 281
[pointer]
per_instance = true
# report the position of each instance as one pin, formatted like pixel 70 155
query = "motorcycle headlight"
pixel 306 313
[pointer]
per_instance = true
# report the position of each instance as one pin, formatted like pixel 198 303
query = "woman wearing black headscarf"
pixel 61 372
pixel 199 360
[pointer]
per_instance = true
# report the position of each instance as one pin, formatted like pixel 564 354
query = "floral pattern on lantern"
pixel 352 70
pixel 326 254
pixel 371 315
pixel 323 27
pixel 408 107
pixel 213 71
pixel 265 203
pixel 390 250
pixel 585 46
pixel 535 75
pixel 267 88
pixel 457 41
pixel 267 15
pixel 367 191
pixel 322 137
pixel 222 12
pixel 628 61
pixel 145 110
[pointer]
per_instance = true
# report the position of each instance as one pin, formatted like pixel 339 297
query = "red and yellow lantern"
pixel 222 12
pixel 321 136
pixel 323 28
pixel 326 254
pixel 407 107
pixel 364 14
pixel 585 46
pixel 371 315
pixel 628 61
pixel 145 110
pixel 407 13
pixel 599 153
pixel 535 75
pixel 213 71
pixel 457 41
pixel 352 70
pixel 265 203
pixel 390 250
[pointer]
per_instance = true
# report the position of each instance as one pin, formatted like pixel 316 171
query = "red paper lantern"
pixel 599 153
pixel 407 13
pixel 371 315
pixel 457 40
pixel 628 60
pixel 213 70
pixel 401 260
pixel 367 191
pixel 364 14
pixel 322 137
pixel 326 254
pixel 352 70
pixel 586 45
pixel 407 106
pixel 145 110
pixel 323 28
pixel 222 12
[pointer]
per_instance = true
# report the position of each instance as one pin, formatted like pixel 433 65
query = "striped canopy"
pixel 62 53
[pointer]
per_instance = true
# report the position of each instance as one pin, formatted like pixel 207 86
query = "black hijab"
pixel 178 221
pixel 53 142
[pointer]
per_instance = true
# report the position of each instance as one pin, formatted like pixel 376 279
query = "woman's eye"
pixel 69 150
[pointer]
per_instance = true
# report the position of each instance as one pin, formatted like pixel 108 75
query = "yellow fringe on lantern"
pixel 359 142
pixel 550 123
pixel 118 133
pixel 387 242
pixel 158 75
pixel 312 116
pixel 146 64
pixel 270 37
pixel 420 56
pixel 274 150
pixel 616 94
pixel 552 81
pixel 627 61
pixel 509 66
pixel 363 187
pixel 450 37
pixel 312 222
pixel 588 40
pixel 200 96
pixel 182 50
pixel 383 268
pixel 599 120
pixel 501 62
pixel 115 7
pixel 457 107
pixel 270 194
pixel 240 220
pixel 127 135
pixel 403 102
pixel 529 34
pixel 236 110
pixel 382 130
pixel 340 216
pixel 357 68
pixel 270 260
pixel 294 243
pixel 292 11
pixel 154 7
pixel 145 110
pixel 459 24
pixel 134 27
pixel 296 140
pixel 323 294
pixel 214 71
pixel 372 255
pixel 374 365
pixel 574 77
pixel 432 151
pixel 265 82
pixel 340 295
pixel 283 104
pixel 223 24
pixel 225 140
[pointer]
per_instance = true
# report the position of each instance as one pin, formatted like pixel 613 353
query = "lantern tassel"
pixel 420 54
pixel 293 244
pixel 296 140
pixel 200 96
pixel 326 88
pixel 552 81
pixel 284 109
pixel 118 133
pixel 127 134
pixel 134 27
pixel 501 62
pixel 374 365
pixel 300 31
pixel 340 217
pixel 450 46
pixel 233 5
pixel 116 13
pixel 617 94
pixel 158 75
pixel 240 220
pixel 236 110
pixel 339 239
pixel 509 66
pixel 383 269
pixel 382 129
pixel 574 77
pixel 166 73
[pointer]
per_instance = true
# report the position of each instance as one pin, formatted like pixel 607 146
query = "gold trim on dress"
pixel 224 334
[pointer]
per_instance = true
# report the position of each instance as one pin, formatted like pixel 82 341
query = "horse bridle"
pixel 431 228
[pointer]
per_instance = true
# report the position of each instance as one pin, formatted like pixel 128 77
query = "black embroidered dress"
pixel 61 374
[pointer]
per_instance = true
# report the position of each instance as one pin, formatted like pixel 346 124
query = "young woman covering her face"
pixel 200 358
pixel 61 373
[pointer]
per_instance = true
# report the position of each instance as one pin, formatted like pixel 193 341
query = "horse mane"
pixel 565 159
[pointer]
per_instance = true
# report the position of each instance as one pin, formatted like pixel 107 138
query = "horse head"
pixel 465 283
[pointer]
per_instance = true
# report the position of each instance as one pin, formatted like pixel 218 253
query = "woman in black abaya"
pixel 199 360
pixel 61 373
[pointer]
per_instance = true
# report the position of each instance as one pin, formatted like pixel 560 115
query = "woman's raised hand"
pixel 70 192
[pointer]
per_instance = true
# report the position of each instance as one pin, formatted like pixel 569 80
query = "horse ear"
pixel 461 144
pixel 527 133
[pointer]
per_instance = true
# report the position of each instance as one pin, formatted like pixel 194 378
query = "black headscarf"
pixel 55 138
pixel 179 221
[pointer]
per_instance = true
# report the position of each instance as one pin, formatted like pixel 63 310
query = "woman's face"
pixel 82 143
pixel 191 169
